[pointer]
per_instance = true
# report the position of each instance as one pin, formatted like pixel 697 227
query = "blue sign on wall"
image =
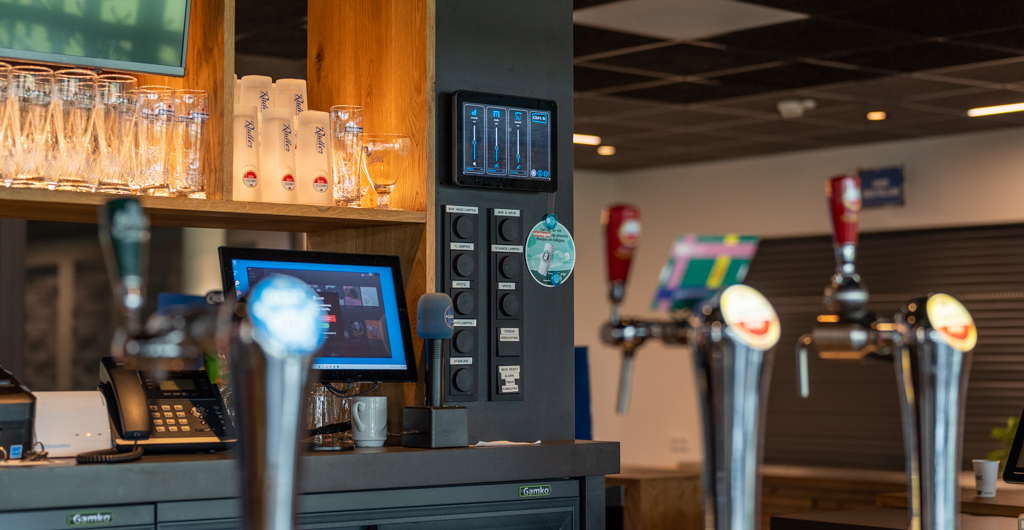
pixel 881 187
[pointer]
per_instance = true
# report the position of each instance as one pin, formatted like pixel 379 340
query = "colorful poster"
pixel 700 265
pixel 550 252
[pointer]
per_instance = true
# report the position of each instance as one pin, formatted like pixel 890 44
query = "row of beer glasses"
pixel 75 130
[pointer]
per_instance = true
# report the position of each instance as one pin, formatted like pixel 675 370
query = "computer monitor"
pixel 365 316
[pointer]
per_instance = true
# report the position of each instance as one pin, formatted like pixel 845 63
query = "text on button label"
pixel 461 360
pixel 462 246
pixel 460 285
pixel 508 334
pixel 506 286
pixel 461 209
pixel 506 212
pixel 465 323
pixel 507 248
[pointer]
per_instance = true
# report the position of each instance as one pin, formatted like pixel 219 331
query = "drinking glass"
pixel 113 128
pixel 127 109
pixel 385 157
pixel 6 139
pixel 74 111
pixel 155 129
pixel 29 123
pixel 190 151
pixel 346 150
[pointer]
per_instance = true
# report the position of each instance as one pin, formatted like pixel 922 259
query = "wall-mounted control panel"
pixel 461 229
pixel 506 307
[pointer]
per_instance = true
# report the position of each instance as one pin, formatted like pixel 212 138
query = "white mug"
pixel 369 420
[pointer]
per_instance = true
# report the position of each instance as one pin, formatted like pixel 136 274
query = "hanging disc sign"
pixel 550 252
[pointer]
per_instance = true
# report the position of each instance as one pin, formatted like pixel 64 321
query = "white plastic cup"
pixel 985 474
pixel 291 94
pixel 257 90
pixel 313 159
pixel 277 157
pixel 245 173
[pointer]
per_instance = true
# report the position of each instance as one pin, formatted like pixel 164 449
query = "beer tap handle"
pixel 844 202
pixel 124 237
pixel 622 233
pixel 802 377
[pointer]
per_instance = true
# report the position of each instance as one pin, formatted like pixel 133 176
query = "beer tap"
pixel 271 335
pixel 929 341
pixel 732 335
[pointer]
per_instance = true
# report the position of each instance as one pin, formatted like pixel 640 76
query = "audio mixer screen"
pixel 501 141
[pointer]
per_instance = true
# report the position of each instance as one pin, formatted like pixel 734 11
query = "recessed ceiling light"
pixel 606 150
pixel 877 115
pixel 586 139
pixel 998 109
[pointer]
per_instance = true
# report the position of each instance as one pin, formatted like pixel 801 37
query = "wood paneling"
pixel 659 499
pixel 788 490
pixel 374 54
pixel 209 66
pixel 69 206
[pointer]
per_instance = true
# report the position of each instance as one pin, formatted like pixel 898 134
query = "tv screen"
pixel 148 36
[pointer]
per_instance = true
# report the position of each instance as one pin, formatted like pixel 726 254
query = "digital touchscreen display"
pixel 359 310
pixel 505 142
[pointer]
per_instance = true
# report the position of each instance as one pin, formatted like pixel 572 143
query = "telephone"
pixel 182 412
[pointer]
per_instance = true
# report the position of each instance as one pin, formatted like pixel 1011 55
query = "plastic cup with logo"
pixel 256 90
pixel 986 473
pixel 245 171
pixel 313 159
pixel 277 157
pixel 291 94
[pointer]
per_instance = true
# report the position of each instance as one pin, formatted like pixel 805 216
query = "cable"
pixel 110 456
pixel 345 393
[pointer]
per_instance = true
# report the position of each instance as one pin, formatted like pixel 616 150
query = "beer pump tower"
pixel 929 342
pixel 732 336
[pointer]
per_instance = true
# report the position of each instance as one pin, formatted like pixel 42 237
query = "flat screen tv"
pixel 147 36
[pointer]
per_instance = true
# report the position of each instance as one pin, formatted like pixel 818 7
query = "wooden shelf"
pixel 76 207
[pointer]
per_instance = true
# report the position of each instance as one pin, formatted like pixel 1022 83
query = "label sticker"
pixel 462 246
pixel 465 323
pixel 953 322
pixel 534 491
pixel 550 254
pixel 629 233
pixel 751 316
pixel 509 371
pixel 460 285
pixel 461 209
pixel 509 389
pixel 461 360
pixel 506 286
pixel 508 334
pixel 90 519
pixel 507 248
pixel 506 213
pixel 288 182
pixel 249 179
pixel 320 184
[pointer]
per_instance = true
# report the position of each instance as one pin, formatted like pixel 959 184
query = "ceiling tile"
pixel 982 99
pixel 795 75
pixel 608 131
pixel 684 118
pixel 921 56
pixel 767 104
pixel 1006 38
pixel 861 137
pixel 895 116
pixel 603 105
pixel 809 38
pixel 780 127
pixel 686 59
pixel 671 141
pixel 966 125
pixel 587 41
pixel 1003 73
pixel 585 79
pixel 688 92
pixel 936 18
pixel 893 88
pixel 818 7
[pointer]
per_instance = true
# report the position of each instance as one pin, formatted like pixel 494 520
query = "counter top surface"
pixel 879 518
pixel 161 478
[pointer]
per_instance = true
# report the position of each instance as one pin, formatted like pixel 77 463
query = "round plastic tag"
pixel 288 182
pixel 953 322
pixel 550 253
pixel 320 183
pixel 249 178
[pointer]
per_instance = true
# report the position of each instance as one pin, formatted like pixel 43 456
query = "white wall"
pixel 971 179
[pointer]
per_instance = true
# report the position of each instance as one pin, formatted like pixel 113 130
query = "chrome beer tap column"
pixel 732 336
pixel 929 341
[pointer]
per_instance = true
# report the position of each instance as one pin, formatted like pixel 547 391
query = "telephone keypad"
pixel 158 422
pixel 165 407
pixel 172 429
pixel 179 414
pixel 178 407
pixel 161 429
pixel 156 414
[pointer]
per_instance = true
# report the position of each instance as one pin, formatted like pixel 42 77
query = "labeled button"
pixel 464 265
pixel 509 229
pixel 158 422
pixel 462 380
pixel 172 429
pixel 172 422
pixel 509 304
pixel 464 341
pixel 464 303
pixel 186 428
pixel 464 226
pixel 510 266
pixel 180 414
pixel 161 429
pixel 178 407
pixel 165 407
pixel 168 414
pixel 156 414
pixel 154 408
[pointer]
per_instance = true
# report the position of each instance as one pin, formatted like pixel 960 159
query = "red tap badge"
pixel 953 322
pixel 751 316
pixel 844 202
pixel 622 235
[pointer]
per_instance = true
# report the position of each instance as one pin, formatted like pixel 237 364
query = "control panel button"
pixel 178 407
pixel 510 267
pixel 186 428
pixel 509 304
pixel 464 226
pixel 464 265
pixel 179 414
pixel 508 349
pixel 154 408
pixel 464 303
pixel 156 414
pixel 158 422
pixel 161 429
pixel 168 414
pixel 165 407
pixel 464 341
pixel 462 380
pixel 172 429
pixel 172 422
pixel 509 229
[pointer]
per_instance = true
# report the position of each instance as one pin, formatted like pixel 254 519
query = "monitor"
pixel 148 36
pixel 365 317
pixel 506 142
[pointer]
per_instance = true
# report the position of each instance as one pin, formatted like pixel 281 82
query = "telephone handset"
pixel 182 412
